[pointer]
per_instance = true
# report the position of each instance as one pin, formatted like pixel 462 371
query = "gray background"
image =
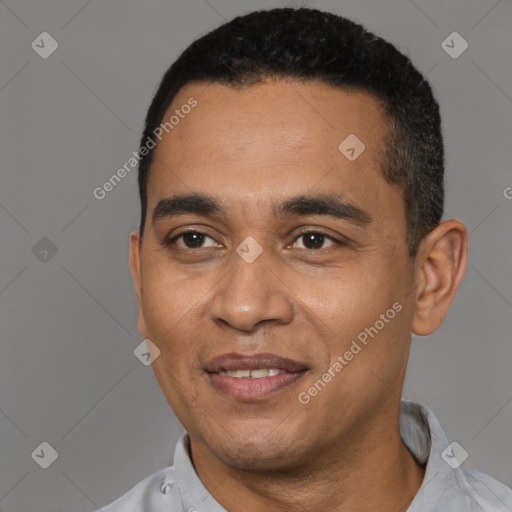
pixel 68 375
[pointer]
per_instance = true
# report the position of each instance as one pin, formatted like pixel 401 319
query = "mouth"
pixel 256 376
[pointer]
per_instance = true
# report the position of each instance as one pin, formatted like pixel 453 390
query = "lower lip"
pixel 250 389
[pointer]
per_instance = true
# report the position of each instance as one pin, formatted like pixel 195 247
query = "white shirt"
pixel 447 485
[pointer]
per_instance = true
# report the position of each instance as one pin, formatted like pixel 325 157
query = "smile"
pixel 254 376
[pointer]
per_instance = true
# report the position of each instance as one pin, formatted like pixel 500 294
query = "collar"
pixel 447 484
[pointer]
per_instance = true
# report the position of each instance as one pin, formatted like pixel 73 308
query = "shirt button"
pixel 166 488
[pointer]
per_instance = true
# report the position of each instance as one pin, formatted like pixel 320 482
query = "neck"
pixel 370 471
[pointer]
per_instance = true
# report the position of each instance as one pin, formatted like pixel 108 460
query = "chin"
pixel 255 450
pixel 256 458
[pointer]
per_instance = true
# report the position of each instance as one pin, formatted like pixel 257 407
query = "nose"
pixel 250 294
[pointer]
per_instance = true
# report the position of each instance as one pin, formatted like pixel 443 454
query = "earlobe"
pixel 441 266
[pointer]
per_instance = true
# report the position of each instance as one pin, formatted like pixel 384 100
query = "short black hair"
pixel 311 45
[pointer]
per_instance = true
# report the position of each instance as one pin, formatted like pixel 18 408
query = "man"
pixel 291 183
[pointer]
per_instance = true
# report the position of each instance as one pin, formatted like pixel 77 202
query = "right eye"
pixel 191 239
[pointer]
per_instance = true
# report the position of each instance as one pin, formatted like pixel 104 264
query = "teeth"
pixel 239 374
pixel 258 374
pixel 252 374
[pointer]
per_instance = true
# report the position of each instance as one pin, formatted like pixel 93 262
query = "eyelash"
pixel 170 241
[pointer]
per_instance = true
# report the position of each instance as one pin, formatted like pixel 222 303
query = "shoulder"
pixel 156 493
pixel 487 492
pixel 448 483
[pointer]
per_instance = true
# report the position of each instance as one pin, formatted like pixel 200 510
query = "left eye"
pixel 314 240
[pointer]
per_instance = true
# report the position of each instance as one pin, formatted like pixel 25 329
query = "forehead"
pixel 268 139
pixel 298 116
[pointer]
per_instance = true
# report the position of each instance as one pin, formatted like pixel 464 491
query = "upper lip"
pixel 234 361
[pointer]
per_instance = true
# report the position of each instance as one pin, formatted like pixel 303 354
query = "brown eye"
pixel 314 240
pixel 190 240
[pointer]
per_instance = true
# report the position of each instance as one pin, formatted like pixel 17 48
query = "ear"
pixel 136 270
pixel 441 263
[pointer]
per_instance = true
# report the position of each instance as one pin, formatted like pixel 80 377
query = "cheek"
pixel 171 315
pixel 170 311
pixel 350 298
pixel 365 305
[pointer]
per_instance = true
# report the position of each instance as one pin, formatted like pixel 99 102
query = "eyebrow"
pixel 331 205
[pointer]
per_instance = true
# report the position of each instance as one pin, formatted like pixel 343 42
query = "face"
pixel 281 295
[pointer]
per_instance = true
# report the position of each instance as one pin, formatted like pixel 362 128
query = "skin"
pixel 251 148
